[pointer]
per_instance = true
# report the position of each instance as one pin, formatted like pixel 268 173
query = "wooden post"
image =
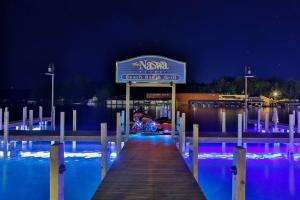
pixel 62 127
pixel 239 174
pixel 244 122
pixel 30 119
pixel 195 150
pixel 122 121
pixel 239 140
pixel 173 109
pixel 74 127
pixel 258 120
pixel 275 118
pixel 298 117
pixel 223 121
pixel 57 169
pixel 5 134
pixel 267 122
pixel 170 114
pixel 182 134
pixel 1 119
pixel 24 116
pixel 118 125
pixel 103 150
pixel 41 114
pixel 294 114
pixel 127 110
pixel 178 121
pixel 291 133
pixel 53 118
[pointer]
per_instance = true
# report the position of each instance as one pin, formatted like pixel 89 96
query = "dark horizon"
pixel 85 40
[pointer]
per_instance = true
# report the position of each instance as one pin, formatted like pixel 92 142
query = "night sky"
pixel 85 38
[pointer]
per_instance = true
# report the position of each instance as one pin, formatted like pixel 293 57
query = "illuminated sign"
pixel 150 69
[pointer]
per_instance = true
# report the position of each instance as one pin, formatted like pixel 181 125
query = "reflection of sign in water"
pixel 150 69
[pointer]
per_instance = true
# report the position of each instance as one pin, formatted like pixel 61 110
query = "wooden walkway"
pixel 204 137
pixel 20 122
pixel 149 168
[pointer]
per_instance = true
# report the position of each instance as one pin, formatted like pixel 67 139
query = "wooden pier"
pixel 204 137
pixel 20 122
pixel 149 168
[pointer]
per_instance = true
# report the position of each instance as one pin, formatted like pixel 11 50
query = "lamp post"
pixel 51 73
pixel 248 74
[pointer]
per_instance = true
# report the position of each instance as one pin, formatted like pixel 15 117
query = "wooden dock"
pixel 204 137
pixel 20 122
pixel 149 168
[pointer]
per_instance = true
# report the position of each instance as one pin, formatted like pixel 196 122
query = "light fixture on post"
pixel 248 74
pixel 51 73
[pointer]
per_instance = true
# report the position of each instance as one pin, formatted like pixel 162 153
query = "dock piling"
pixel 30 119
pixel 74 126
pixel 238 173
pixel 118 132
pixel 173 110
pixel 5 134
pixel 103 150
pixel 195 150
pixel 291 133
pixel 178 121
pixel 182 134
pixel 127 110
pixel 239 140
pixel 223 130
pixel 41 114
pixel 275 118
pixel 24 116
pixel 223 121
pixel 57 169
pixel 122 121
pixel 1 119
pixel 267 122
pixel 298 122
pixel 53 118
pixel 259 119
pixel 62 127
pixel 294 114
pixel 244 122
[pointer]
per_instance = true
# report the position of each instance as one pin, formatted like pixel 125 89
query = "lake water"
pixel 270 173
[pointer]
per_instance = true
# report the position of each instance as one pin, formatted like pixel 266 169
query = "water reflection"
pixel 291 175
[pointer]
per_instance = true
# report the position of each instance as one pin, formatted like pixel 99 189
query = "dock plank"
pixel 149 169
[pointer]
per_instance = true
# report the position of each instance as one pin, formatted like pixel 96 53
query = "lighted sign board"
pixel 145 69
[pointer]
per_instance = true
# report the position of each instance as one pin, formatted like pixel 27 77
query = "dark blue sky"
pixel 85 38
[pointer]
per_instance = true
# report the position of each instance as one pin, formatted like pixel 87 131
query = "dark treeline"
pixel 236 85
pixel 83 89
